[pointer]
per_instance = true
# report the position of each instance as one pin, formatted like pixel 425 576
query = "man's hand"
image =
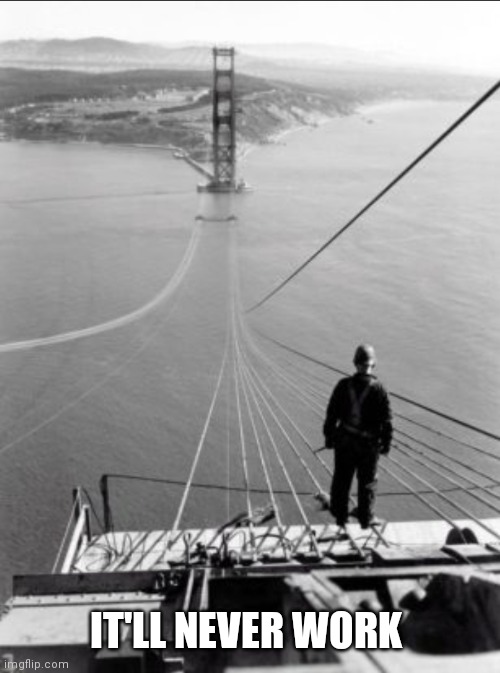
pixel 384 450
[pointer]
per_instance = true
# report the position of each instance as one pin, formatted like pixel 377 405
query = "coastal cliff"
pixel 167 102
pixel 154 108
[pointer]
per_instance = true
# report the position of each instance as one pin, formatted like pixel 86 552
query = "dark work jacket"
pixel 376 415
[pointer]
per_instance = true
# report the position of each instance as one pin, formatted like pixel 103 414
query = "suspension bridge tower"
pixel 216 196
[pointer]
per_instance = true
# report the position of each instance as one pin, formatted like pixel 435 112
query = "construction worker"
pixel 358 426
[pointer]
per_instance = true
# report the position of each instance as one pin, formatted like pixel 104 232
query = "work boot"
pixel 323 499
pixel 373 521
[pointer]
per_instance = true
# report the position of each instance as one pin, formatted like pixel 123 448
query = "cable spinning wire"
pixel 380 195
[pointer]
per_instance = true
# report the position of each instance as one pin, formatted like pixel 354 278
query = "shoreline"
pixel 361 111
pixel 277 138
pixel 247 148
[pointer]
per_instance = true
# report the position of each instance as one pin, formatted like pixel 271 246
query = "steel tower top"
pixel 223 119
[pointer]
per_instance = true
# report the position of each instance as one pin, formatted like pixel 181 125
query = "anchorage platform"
pixel 392 543
pixel 448 594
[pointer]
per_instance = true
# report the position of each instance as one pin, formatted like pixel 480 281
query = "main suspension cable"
pixel 416 494
pixel 381 194
pixel 201 443
pixel 294 426
pixel 180 510
pixel 255 392
pixel 258 383
pixel 294 392
pixel 439 493
pixel 396 396
pixel 439 433
pixel 439 452
pixel 425 463
pixel 445 455
pixel 305 378
pixel 281 529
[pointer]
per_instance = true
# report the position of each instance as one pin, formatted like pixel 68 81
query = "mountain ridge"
pixel 111 90
pixel 102 51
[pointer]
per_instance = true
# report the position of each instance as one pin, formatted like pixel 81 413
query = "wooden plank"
pixel 475 553
pixel 405 556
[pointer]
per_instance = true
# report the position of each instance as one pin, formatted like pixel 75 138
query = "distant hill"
pixel 368 74
pixel 100 53
pixel 20 86
pixel 106 90
pixel 325 55
pixel 168 108
pixel 103 51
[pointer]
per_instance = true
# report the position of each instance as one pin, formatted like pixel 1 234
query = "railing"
pixel 77 532
pixel 104 487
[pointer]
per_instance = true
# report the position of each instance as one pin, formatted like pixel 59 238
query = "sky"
pixel 461 35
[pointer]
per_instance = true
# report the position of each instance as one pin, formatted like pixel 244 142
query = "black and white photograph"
pixel 249 337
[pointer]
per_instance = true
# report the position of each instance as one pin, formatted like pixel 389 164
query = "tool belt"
pixel 350 429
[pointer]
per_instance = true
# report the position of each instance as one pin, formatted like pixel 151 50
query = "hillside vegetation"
pixel 163 98
pixel 151 107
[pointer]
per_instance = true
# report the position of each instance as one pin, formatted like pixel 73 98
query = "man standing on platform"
pixel 358 426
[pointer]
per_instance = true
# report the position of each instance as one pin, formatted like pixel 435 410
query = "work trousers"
pixel 354 455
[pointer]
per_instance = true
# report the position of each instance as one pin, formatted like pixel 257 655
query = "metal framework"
pixel 223 118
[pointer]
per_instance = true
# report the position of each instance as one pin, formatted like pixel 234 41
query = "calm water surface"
pixel 89 233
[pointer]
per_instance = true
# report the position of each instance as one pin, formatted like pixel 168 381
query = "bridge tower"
pixel 216 196
pixel 223 118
